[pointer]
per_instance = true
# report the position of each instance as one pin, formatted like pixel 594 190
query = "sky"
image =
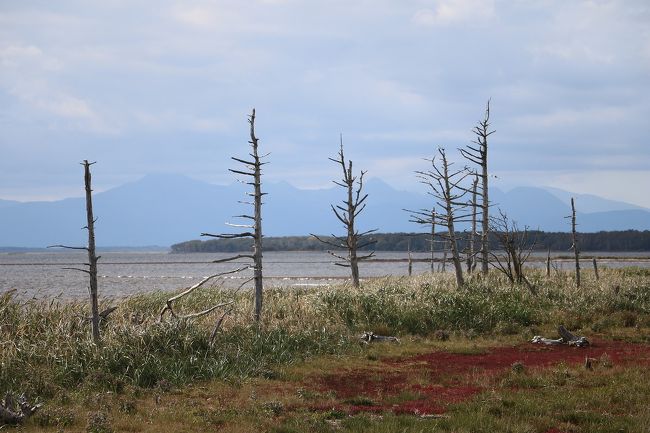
pixel 166 86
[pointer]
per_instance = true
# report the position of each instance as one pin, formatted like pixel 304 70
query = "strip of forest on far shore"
pixel 612 241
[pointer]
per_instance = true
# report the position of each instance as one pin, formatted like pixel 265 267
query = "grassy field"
pixel 463 364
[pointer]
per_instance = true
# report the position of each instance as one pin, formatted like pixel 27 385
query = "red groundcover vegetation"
pixel 427 384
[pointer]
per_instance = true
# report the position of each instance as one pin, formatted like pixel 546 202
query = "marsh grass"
pixel 46 350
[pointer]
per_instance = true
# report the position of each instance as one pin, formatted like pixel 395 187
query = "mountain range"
pixel 166 209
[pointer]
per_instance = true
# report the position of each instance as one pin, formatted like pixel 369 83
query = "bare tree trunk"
pixel 596 269
pixel 92 257
pixel 351 238
pixel 576 248
pixel 444 256
pixel 424 216
pixel 455 255
pixel 347 214
pixel 257 215
pixel 485 222
pixel 253 171
pixel 548 263
pixel 433 238
pixel 479 156
pixel 471 260
pixel 410 267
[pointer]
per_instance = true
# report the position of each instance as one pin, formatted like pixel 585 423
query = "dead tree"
pixel 471 255
pixel 347 213
pixel 446 188
pixel 517 248
pixel 410 259
pixel 169 305
pixel 478 155
pixel 426 217
pixel 253 176
pixel 575 247
pixel 92 256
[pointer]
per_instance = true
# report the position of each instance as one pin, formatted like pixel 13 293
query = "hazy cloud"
pixel 147 86
pixel 453 11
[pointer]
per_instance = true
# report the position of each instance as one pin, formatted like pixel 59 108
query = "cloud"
pixel 453 11
pixel 591 116
pixel 28 75
pixel 196 16
pixel 21 57
pixel 140 78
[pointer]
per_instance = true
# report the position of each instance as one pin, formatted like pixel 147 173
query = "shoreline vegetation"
pixel 611 241
pixel 144 365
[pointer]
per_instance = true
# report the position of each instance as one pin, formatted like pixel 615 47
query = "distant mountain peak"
pixel 590 203
pixel 166 208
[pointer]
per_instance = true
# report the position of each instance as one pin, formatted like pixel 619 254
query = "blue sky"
pixel 165 86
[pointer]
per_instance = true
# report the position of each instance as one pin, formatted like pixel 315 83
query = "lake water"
pixel 40 274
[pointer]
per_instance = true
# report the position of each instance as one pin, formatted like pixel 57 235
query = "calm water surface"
pixel 121 274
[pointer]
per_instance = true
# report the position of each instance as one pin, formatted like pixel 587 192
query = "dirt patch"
pixel 428 383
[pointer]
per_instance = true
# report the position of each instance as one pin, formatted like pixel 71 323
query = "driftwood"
pixel 369 337
pixel 14 411
pixel 566 337
pixel 169 304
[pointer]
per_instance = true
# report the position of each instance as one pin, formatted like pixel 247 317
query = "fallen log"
pixel 566 337
pixel 15 412
pixel 369 337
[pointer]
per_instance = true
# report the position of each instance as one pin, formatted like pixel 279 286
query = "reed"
pixel 46 348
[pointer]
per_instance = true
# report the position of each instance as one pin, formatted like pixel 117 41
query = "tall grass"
pixel 46 348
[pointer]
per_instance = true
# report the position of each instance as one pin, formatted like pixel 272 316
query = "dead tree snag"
pixel 445 186
pixel 471 255
pixel 575 247
pixel 516 246
pixel 426 217
pixel 92 256
pixel 253 176
pixel 347 214
pixel 478 155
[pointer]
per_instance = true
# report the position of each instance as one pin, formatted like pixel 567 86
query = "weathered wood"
pixel 410 259
pixel 471 258
pixel 455 254
pixel 92 256
pixel 479 156
pixel 370 337
pixel 566 337
pixel 252 168
pixel 169 305
pixel 575 246
pixel 353 205
pixel 570 339
pixel 16 411
pixel 217 326
pixel 446 187
pixel 596 268
pixel 516 246
pixel 257 218
pixel 538 339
